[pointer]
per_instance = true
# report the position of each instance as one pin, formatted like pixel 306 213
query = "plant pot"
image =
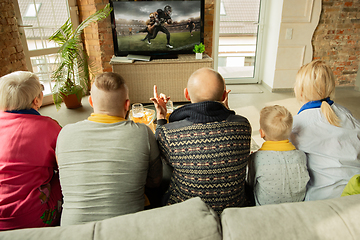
pixel 72 101
pixel 198 55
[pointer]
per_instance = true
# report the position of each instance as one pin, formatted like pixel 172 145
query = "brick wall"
pixel 98 36
pixel 208 25
pixel 337 38
pixel 12 56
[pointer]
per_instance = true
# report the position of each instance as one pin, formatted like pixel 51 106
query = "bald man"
pixel 106 161
pixel 205 143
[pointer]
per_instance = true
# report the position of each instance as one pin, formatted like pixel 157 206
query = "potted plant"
pixel 199 49
pixel 72 74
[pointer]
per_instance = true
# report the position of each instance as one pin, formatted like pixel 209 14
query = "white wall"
pixel 270 40
pixel 289 27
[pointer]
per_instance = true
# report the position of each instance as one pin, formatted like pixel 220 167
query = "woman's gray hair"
pixel 18 90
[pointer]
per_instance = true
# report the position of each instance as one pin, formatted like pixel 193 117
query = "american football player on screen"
pixel 162 18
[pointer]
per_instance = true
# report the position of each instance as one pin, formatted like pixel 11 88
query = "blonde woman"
pixel 326 132
pixel 30 193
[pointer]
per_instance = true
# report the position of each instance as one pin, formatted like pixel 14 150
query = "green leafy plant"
pixel 72 74
pixel 200 48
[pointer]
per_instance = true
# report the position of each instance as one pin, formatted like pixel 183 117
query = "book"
pixel 138 57
pixel 121 60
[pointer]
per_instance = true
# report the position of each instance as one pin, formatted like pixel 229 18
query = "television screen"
pixel 157 28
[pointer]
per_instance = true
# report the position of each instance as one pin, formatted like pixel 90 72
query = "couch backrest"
pixel 327 219
pixel 191 219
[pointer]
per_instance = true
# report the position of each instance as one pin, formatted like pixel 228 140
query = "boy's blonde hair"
pixel 316 81
pixel 18 90
pixel 276 122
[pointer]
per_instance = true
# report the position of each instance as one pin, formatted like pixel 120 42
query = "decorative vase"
pixel 71 101
pixel 198 55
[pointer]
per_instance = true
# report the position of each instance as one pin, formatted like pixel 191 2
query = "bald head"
pixel 109 94
pixel 205 84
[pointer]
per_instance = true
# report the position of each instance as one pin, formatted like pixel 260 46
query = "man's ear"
pixel 186 94
pixel 262 133
pixel 224 96
pixel 90 101
pixel 127 105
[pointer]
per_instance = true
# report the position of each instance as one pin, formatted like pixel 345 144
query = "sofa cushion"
pixel 191 219
pixel 327 219
pixel 83 232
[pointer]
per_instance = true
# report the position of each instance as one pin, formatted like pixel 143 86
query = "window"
pixel 39 20
pixel 222 9
pixel 238 40
pixel 32 10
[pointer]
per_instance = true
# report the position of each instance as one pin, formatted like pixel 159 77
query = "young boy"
pixel 277 171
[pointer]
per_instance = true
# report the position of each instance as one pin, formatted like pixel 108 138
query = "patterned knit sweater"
pixel 208 147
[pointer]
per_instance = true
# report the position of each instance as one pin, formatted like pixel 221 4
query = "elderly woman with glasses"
pixel 30 193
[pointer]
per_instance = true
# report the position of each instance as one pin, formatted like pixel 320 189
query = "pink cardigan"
pixel 27 161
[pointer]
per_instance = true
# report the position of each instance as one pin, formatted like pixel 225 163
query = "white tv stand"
pixel 170 76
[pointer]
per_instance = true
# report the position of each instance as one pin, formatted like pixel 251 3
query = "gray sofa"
pixel 192 219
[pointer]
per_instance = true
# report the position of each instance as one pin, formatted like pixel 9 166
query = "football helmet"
pixel 168 10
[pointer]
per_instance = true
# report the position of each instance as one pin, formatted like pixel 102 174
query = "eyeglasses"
pixel 42 87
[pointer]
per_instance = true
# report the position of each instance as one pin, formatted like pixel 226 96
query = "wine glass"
pixel 169 108
pixel 137 110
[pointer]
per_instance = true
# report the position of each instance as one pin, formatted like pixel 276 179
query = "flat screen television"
pixel 159 29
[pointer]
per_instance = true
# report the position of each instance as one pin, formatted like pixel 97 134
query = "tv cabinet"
pixel 170 76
